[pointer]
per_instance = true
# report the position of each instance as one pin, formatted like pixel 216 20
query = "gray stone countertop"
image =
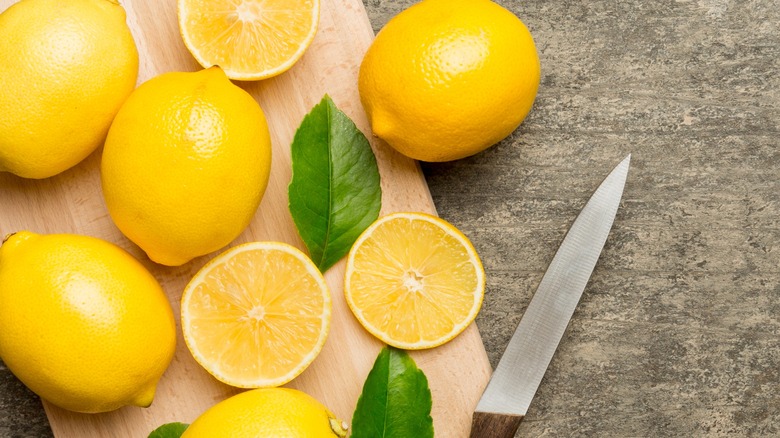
pixel 677 331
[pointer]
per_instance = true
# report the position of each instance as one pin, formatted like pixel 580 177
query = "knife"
pixel 508 394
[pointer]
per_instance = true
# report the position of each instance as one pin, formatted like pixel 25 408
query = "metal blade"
pixel 536 338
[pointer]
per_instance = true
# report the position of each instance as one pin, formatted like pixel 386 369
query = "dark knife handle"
pixel 491 425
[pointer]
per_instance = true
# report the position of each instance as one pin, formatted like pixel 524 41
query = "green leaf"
pixel 170 430
pixel 396 401
pixel 334 194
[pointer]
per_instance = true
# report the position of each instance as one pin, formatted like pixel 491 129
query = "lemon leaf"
pixel 396 400
pixel 169 430
pixel 334 193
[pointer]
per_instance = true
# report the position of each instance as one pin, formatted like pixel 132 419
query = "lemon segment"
pixel 257 315
pixel 414 281
pixel 249 39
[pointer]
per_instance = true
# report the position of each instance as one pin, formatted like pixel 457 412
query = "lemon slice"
pixel 414 281
pixel 248 39
pixel 256 315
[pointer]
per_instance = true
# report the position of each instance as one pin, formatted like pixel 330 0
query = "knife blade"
pixel 519 372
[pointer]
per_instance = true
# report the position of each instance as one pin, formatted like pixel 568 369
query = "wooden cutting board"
pixel 72 202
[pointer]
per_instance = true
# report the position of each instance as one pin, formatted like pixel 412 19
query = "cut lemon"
pixel 256 315
pixel 414 281
pixel 248 39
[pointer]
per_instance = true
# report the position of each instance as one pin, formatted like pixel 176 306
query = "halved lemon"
pixel 256 315
pixel 248 39
pixel 414 281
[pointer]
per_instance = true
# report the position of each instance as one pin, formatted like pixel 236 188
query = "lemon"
pixel 65 68
pixel 249 39
pixel 256 315
pixel 413 280
pixel 445 79
pixel 267 413
pixel 82 323
pixel 185 164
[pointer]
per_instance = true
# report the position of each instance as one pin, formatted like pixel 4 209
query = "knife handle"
pixel 492 425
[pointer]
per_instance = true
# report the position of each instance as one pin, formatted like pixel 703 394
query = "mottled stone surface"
pixel 21 412
pixel 677 332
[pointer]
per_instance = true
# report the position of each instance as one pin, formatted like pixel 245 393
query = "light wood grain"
pixel 72 202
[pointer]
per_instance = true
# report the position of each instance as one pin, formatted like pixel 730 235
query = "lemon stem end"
pixel 6 237
pixel 145 399
pixel 338 427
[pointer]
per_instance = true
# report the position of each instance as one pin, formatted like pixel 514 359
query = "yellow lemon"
pixel 445 79
pixel 249 39
pixel 256 315
pixel 65 68
pixel 185 164
pixel 413 280
pixel 267 413
pixel 82 323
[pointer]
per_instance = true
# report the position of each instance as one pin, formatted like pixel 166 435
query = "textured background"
pixel 677 332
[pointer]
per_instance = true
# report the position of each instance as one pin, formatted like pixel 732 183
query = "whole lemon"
pixel 445 79
pixel 185 164
pixel 267 413
pixel 82 323
pixel 65 68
